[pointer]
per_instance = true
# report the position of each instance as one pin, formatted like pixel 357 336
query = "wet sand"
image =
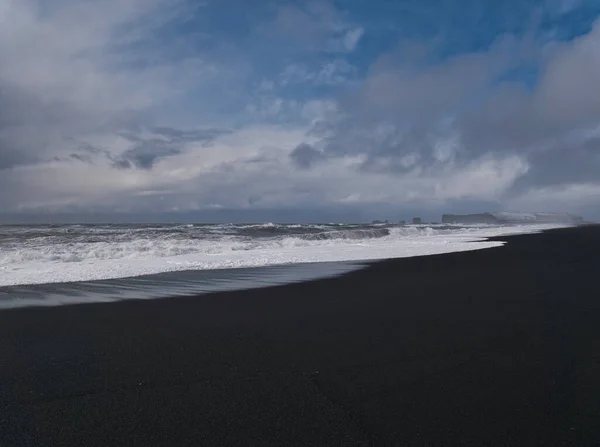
pixel 491 347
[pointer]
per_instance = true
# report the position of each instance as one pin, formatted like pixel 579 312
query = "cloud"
pixel 79 81
pixel 579 198
pixel 113 106
pixel 414 112
pixel 345 40
pixel 162 142
pixel 352 38
pixel 332 72
pixel 560 7
pixel 559 106
pixel 484 178
pixel 263 167
pixel 304 156
pixel 315 25
pixel 308 25
pixel 40 56
pixel 71 70
pixel 213 167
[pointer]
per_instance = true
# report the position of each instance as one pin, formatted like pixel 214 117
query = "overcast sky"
pixel 297 110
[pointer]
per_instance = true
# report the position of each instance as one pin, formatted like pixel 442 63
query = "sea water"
pixel 66 264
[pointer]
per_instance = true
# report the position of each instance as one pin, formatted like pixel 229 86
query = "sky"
pixel 290 110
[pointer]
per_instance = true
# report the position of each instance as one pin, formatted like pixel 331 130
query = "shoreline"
pixel 175 284
pixel 486 347
pixel 192 282
pixel 73 265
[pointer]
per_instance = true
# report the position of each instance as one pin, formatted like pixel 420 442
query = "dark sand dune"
pixel 493 347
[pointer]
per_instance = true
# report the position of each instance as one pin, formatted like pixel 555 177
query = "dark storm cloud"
pixel 82 157
pixel 304 156
pixel 143 157
pixel 171 135
pixel 165 142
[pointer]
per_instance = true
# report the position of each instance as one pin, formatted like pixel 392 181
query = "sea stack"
pixel 511 218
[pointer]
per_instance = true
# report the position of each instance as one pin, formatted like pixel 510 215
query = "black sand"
pixel 495 347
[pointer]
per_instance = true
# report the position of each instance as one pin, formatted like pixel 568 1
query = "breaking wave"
pixel 54 253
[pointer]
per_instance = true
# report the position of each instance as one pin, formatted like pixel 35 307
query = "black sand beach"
pixel 493 347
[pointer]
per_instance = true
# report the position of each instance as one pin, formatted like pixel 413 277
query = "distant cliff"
pixel 511 218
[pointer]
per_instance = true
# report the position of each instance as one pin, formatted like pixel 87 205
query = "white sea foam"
pixel 40 260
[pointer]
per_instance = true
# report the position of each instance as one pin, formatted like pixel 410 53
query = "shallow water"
pixel 194 282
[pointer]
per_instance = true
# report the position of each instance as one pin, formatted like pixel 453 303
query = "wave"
pixel 262 225
pixel 90 255
pixel 348 234
pixel 55 249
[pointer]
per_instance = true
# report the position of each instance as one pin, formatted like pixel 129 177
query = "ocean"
pixel 66 264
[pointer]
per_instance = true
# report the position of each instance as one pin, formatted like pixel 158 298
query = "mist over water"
pixel 61 264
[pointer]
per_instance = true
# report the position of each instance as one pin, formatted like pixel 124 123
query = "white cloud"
pixel 483 179
pixel 345 39
pixel 464 133
pixel 70 70
pixel 333 72
pixel 352 38
pixel 196 173
pixel 243 169
pixel 319 109
pixel 295 73
pixel 73 53
pixel 580 198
